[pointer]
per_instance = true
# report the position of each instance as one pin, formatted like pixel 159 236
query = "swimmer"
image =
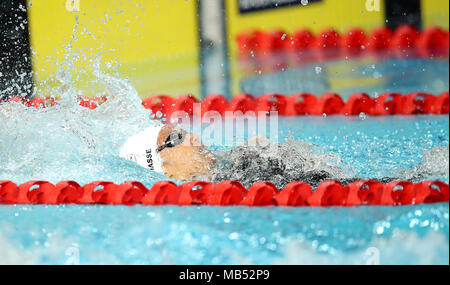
pixel 180 155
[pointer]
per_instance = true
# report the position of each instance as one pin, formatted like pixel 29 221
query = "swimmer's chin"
pixel 190 163
pixel 197 163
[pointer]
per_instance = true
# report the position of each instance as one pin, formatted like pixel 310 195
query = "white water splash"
pixel 73 140
pixel 402 248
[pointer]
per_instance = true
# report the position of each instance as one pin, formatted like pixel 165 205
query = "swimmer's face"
pixel 182 154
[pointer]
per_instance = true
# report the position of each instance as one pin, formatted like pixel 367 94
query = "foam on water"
pixel 68 141
pixel 381 252
pixel 279 164
pixel 435 164
pixel 298 161
pixel 294 252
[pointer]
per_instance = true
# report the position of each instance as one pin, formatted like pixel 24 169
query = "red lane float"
pixel 162 193
pixel 294 194
pixel 69 192
pixel 261 194
pixel 45 192
pixel 303 104
pixel 441 104
pixel 37 102
pixel 272 103
pixel 329 104
pixel 328 39
pixel 300 104
pixel 214 102
pixel 404 41
pixel 184 103
pixel 405 37
pixel 387 104
pixel 380 39
pixel 242 103
pixel 226 193
pixel 301 40
pixel 194 193
pixel 159 103
pixel 354 40
pixel 92 103
pixel 418 103
pixel 369 192
pixel 433 41
pixel 33 102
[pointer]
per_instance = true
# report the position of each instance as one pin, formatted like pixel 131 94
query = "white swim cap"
pixel 141 148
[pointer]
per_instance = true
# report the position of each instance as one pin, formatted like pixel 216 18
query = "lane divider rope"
pixel 300 104
pixel 404 41
pixel 226 193
pixel 303 104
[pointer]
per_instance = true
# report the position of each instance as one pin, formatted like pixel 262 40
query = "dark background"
pixel 269 4
pixel 15 62
pixel 399 12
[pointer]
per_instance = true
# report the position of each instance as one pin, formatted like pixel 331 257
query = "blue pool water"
pixel 215 235
pixel 347 76
pixel 374 147
pixel 70 143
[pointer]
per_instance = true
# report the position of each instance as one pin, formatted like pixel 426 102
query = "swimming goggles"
pixel 175 138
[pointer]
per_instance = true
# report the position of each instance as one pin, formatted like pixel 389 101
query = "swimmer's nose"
pixel 193 140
